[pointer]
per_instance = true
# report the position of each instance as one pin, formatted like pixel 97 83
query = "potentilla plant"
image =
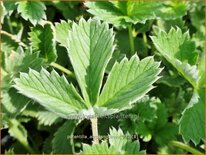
pixel 90 45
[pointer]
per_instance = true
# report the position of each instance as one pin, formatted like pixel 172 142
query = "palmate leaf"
pixel 43 39
pixel 123 13
pixel 90 47
pixel 181 54
pixel 32 11
pixel 51 91
pixel 128 82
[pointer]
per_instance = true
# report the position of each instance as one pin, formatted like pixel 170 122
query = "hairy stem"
pixel 95 134
pixel 61 68
pixel 186 147
pixel 131 40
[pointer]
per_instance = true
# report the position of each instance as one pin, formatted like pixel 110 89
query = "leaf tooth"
pixel 44 72
pixel 89 20
pixel 135 57
pixel 125 59
pixel 82 21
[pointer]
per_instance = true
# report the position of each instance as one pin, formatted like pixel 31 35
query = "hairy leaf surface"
pixel 90 47
pixel 128 82
pixel 47 118
pixel 51 91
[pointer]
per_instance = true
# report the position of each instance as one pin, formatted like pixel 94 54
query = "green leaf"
pixel 10 42
pixel 32 61
pixel 11 61
pixel 13 103
pixel 6 9
pixel 102 148
pixel 192 123
pixel 117 139
pixel 90 47
pixel 144 110
pixel 43 39
pixel 47 145
pixel 62 32
pixel 159 128
pixel 173 10
pixel 17 131
pixel 47 118
pixel 63 141
pixel 128 82
pixel 178 55
pixel 133 148
pixel 123 13
pixel 180 42
pixel 149 119
pixel 118 144
pixel 51 91
pixel 32 11
pixel 167 24
pixel 197 15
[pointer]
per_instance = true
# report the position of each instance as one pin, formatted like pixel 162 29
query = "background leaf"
pixel 32 11
pixel 63 138
pixel 192 123
pixel 123 13
pixel 13 103
pixel 178 55
pixel 42 39
pixel 62 32
pixel 172 10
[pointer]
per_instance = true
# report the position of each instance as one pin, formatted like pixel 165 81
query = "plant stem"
pixel 131 40
pixel 9 24
pixel 61 68
pixel 186 147
pixel 95 135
